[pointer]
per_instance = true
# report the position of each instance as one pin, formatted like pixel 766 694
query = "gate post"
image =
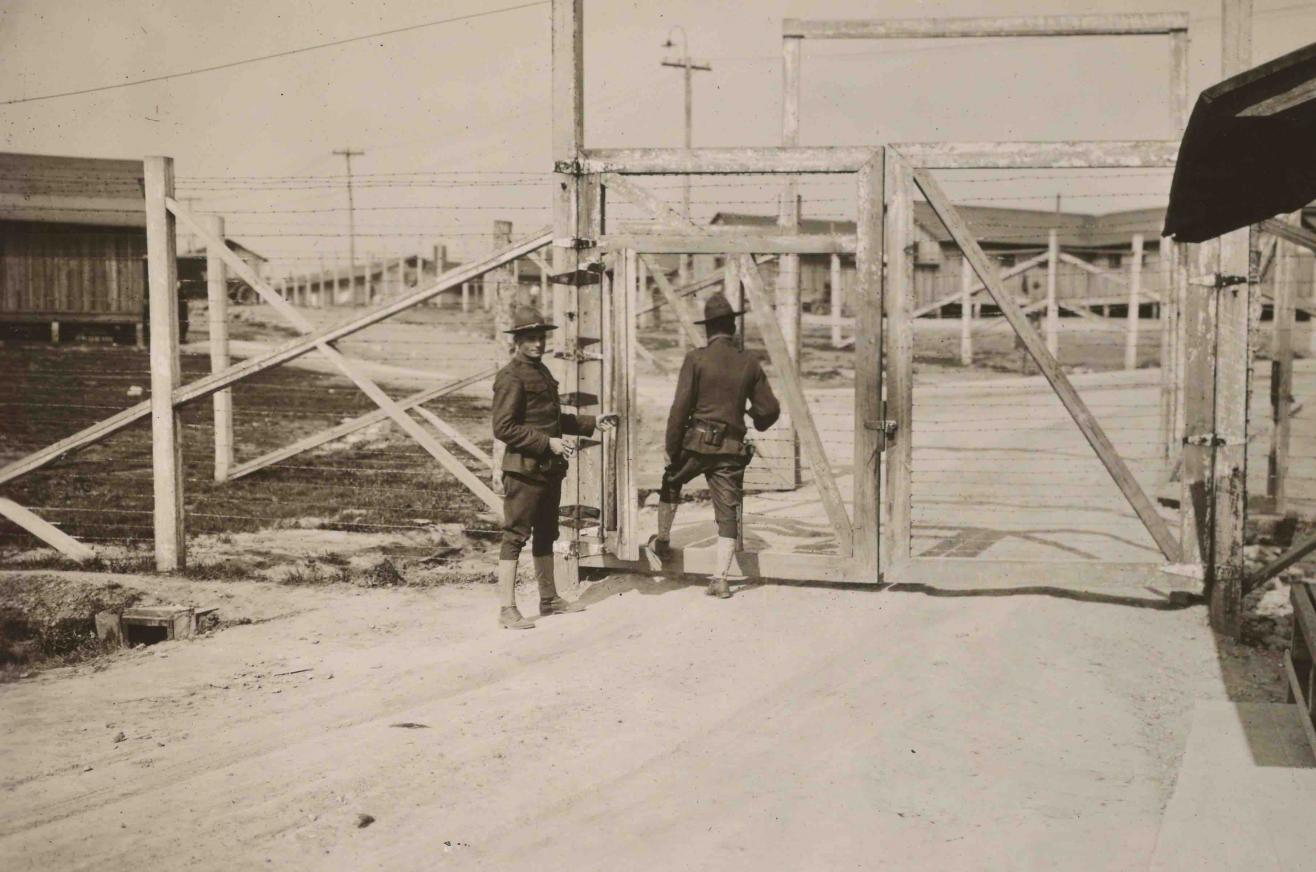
pixel 870 433
pixel 217 320
pixel 897 297
pixel 166 434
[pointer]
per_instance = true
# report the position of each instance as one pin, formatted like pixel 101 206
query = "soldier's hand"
pixel 608 421
pixel 559 447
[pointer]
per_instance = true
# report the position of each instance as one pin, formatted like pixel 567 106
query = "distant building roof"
pixel 71 190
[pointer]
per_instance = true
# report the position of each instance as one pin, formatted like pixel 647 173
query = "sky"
pixel 455 118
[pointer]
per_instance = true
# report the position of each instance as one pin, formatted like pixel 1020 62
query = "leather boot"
pixel 509 616
pixel 726 555
pixel 549 602
pixel 660 544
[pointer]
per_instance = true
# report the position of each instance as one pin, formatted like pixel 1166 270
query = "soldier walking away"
pixel 528 418
pixel 719 384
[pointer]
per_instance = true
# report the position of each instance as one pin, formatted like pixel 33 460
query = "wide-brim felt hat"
pixel 717 306
pixel 526 319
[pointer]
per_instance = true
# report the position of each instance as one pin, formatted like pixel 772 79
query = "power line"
pixel 281 54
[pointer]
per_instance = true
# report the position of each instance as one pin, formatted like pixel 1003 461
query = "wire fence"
pixel 999 469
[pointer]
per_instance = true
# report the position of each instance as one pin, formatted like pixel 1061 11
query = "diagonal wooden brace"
pixel 1050 367
pixel 45 531
pixel 792 391
pixel 408 424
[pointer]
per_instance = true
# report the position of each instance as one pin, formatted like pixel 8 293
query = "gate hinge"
pixel 577 356
pixel 577 278
pixel 1218 281
pixel 571 167
pixel 886 427
pixel 1211 440
pixel 575 243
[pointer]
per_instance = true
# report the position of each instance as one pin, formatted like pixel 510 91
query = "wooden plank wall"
pixel 72 270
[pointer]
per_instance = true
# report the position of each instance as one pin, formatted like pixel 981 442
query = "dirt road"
pixel 787 728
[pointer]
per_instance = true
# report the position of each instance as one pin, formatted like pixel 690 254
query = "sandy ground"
pixel 793 727
pixel 787 728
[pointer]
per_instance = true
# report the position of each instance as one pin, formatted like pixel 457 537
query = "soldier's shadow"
pixel 618 583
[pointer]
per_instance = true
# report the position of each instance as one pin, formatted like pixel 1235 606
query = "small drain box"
pixel 147 625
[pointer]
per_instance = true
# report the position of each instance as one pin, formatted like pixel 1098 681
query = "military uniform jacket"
pixel 526 413
pixel 719 383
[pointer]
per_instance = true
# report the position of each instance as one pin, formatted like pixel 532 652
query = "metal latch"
pixel 571 167
pixel 1218 281
pixel 886 427
pixel 1210 440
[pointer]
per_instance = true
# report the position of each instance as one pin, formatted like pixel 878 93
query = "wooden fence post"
pixel 217 316
pixel 1281 370
pixel 1233 256
pixel 966 313
pixel 166 432
pixel 897 297
pixel 869 428
pixel 837 301
pixel 1052 309
pixel 1135 303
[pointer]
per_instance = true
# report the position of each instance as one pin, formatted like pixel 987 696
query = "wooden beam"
pixel 358 423
pixel 966 314
pixel 166 429
pixel 869 417
pixel 750 242
pixel 792 390
pixel 684 317
pixel 1135 299
pixel 1281 374
pixel 1052 312
pixel 898 300
pixel 950 155
pixel 217 321
pixel 1123 24
pixel 290 350
pixel 1095 154
pixel 1232 254
pixel 1050 368
pixel 835 299
pixel 455 435
pixel 45 531
pixel 1294 233
pixel 348 368
pixel 626 435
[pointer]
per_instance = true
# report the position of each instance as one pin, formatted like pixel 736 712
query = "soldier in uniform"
pixel 528 419
pixel 718 385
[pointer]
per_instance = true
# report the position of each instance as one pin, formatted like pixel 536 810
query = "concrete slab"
pixel 1246 794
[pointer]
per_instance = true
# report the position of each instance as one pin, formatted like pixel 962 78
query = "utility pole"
pixel 690 67
pixel 348 154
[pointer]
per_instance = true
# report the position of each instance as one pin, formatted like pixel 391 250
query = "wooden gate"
pixel 948 565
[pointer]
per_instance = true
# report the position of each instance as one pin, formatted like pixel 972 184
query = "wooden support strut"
pixel 45 531
pixel 166 428
pixel 684 317
pixel 360 422
pixel 348 368
pixel 290 350
pixel 792 389
pixel 1050 368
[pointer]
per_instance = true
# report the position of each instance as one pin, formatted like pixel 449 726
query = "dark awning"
pixel 1249 152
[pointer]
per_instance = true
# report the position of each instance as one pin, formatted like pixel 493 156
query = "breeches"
pixel 530 513
pixel 725 474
